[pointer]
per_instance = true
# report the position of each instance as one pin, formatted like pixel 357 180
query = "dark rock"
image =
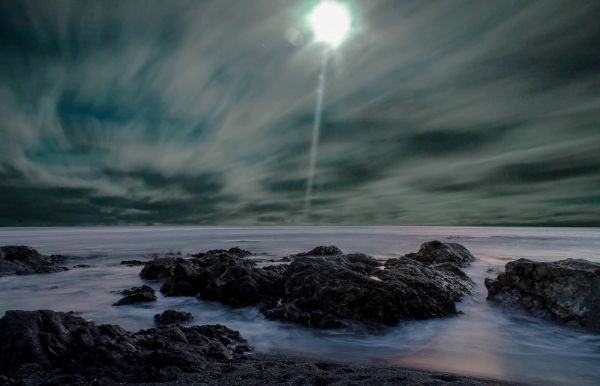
pixel 567 291
pixel 172 317
pixel 143 294
pixel 18 252
pixel 326 291
pixel 83 266
pixel 320 251
pixel 160 268
pixel 132 263
pixel 23 260
pixel 59 348
pixel 231 280
pixel 232 252
pixel 434 252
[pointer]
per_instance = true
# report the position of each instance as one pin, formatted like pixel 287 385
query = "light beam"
pixel 330 21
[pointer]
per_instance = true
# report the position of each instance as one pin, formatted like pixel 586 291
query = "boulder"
pixel 172 317
pixel 134 295
pixel 320 251
pixel 326 292
pixel 160 267
pixel 229 279
pixel 566 291
pixel 23 260
pixel 435 252
pixel 232 252
pixel 46 347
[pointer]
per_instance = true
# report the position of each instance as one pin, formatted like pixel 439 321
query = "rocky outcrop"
pixel 134 295
pixel 172 317
pixel 567 291
pixel 231 280
pixel 326 292
pixel 435 252
pixel 321 251
pixel 23 260
pixel 321 288
pixel 160 267
pixel 46 347
pixel 232 252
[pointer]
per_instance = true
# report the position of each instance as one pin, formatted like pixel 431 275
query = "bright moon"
pixel 330 22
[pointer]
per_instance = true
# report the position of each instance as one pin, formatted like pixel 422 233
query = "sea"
pixel 483 340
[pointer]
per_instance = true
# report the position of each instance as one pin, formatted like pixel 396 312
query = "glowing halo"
pixel 330 21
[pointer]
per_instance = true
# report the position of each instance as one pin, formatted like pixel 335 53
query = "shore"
pixel 283 370
pixel 484 342
pixel 47 348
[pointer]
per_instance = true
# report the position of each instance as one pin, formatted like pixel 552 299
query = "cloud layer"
pixel 197 112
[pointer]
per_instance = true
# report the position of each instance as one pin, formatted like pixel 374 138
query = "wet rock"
pixel 23 260
pixel 60 348
pixel 320 251
pixel 232 252
pixel 567 291
pixel 326 292
pixel 229 279
pixel 434 252
pixel 134 295
pixel 83 266
pixel 160 267
pixel 172 317
pixel 132 263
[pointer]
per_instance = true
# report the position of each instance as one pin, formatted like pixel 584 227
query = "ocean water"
pixel 484 340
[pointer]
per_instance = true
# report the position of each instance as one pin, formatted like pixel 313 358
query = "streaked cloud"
pixel 455 112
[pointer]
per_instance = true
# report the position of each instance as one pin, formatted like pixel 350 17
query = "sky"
pixel 200 112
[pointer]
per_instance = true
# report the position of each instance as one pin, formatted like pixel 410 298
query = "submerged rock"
pixel 143 294
pixel 132 263
pixel 567 291
pixel 172 317
pixel 435 252
pixel 23 260
pixel 46 347
pixel 325 292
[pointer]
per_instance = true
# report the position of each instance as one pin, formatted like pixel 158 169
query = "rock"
pixel 229 279
pixel 172 317
pixel 83 266
pixel 434 252
pixel 567 291
pixel 132 263
pixel 60 348
pixel 232 252
pixel 160 267
pixel 23 260
pixel 326 292
pixel 320 251
pixel 18 252
pixel 143 294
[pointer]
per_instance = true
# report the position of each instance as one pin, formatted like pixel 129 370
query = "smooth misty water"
pixel 485 340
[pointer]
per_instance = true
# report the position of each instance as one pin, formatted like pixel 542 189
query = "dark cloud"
pixel 196 112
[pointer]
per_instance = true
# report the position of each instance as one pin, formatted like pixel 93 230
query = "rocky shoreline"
pixel 320 288
pixel 47 348
pixel 324 288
